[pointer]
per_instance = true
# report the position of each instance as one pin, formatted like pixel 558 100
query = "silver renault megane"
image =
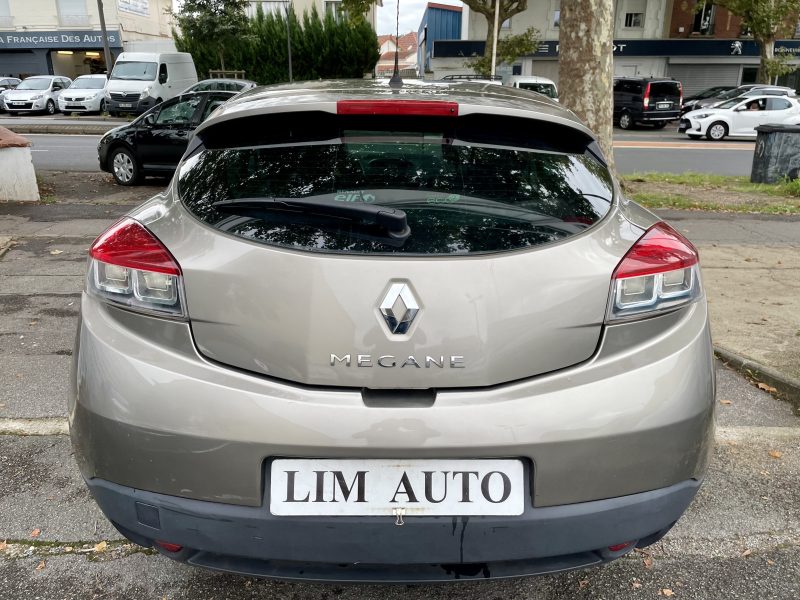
pixel 377 334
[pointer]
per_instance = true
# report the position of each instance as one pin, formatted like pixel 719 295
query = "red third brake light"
pixel 416 108
pixel 128 244
pixel 659 250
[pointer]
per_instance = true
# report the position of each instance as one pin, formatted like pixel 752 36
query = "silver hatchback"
pixel 371 334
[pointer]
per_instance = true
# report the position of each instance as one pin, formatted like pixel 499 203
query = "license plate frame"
pixel 125 105
pixel 495 487
pixel 663 105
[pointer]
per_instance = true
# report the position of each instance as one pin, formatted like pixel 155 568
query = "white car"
pixel 36 94
pixel 738 117
pixel 86 94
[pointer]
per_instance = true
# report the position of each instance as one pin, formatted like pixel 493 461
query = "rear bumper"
pixel 251 541
pixel 664 115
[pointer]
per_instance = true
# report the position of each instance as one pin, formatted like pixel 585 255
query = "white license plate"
pixel 663 105
pixel 375 487
pixel 19 103
pixel 126 105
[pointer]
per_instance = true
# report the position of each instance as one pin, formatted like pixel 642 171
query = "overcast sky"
pixel 410 14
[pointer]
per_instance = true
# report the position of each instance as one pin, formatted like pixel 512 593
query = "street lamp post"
pixel 288 36
pixel 494 37
pixel 104 33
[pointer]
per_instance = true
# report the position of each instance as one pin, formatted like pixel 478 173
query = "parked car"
pixel 224 85
pixel 86 94
pixel 690 102
pixel 36 94
pixel 541 85
pixel 140 80
pixel 496 80
pixel 338 348
pixel 738 117
pixel 739 91
pixel 154 143
pixel 7 83
pixel 646 100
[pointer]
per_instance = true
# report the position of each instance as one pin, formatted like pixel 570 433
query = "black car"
pixel 690 102
pixel 154 143
pixel 646 100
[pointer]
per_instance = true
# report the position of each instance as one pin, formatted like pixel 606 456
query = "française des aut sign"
pixel 75 39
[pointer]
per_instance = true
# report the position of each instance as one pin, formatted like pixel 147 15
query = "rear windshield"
pixel 548 89
pixel 665 88
pixel 478 186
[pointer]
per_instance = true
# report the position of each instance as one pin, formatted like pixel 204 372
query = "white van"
pixel 141 80
pixel 541 85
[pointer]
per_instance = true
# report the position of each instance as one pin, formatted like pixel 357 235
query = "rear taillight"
pixel 647 96
pixel 680 91
pixel 659 273
pixel 129 267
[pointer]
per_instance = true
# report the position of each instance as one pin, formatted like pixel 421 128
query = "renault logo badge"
pixel 399 307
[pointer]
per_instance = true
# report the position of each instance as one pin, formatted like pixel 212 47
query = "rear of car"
pixel 540 85
pixel 650 101
pixel 403 336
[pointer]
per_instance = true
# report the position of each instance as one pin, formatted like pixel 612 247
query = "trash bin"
pixel 777 153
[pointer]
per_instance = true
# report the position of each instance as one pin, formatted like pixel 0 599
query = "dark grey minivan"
pixel 371 334
pixel 646 100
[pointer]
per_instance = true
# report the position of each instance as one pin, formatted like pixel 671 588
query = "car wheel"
pixel 717 131
pixel 50 107
pixel 124 167
pixel 659 125
pixel 625 121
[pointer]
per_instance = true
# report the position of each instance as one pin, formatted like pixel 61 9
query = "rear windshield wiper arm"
pixel 392 219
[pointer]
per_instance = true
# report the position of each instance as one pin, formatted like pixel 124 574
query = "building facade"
pixel 406 48
pixel 439 22
pixel 63 37
pixel 693 41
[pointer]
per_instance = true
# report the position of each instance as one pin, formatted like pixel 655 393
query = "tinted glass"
pixel 139 71
pixel 778 104
pixel 460 195
pixel 179 113
pixel 660 89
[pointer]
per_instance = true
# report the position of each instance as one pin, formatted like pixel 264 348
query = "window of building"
pixel 634 20
pixel 506 24
pixel 72 13
pixel 334 8
pixel 277 7
pixel 6 20
pixel 556 19
pixel 704 19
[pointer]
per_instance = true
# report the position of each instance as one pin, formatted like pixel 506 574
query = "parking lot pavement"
pixel 739 539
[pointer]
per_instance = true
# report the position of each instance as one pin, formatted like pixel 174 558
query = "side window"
pixel 162 73
pixel 778 104
pixel 179 113
pixel 213 102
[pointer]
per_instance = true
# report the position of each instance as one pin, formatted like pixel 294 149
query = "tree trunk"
pixel 487 51
pixel 767 48
pixel 586 66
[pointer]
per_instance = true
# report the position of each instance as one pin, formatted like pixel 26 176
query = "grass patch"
pixel 706 191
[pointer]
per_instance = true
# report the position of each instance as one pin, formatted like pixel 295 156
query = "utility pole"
pixel 494 37
pixel 104 33
pixel 288 36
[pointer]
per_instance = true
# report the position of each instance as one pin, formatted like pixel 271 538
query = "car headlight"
pixel 701 116
pixel 91 96
pixel 37 97
pixel 144 94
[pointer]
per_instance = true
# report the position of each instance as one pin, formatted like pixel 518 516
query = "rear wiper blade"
pixel 392 219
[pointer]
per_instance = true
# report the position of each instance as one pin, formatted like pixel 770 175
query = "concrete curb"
pixel 788 387
pixel 76 129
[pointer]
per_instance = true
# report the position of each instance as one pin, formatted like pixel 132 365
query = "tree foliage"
pixel 508 8
pixel 218 23
pixel 509 49
pixel 322 48
pixel 767 20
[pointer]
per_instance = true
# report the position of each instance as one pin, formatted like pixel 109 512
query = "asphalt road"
pixel 636 151
pixel 740 539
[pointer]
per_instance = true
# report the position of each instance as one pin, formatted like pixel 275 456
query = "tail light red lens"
pixel 417 108
pixel 659 273
pixel 169 546
pixel 647 96
pixel 130 267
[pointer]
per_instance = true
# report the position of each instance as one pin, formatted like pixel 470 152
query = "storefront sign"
pixel 77 39
pixel 682 47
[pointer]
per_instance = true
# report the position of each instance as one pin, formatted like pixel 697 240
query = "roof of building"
pixel 444 6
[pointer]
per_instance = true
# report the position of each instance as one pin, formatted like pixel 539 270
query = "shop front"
pixel 66 53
